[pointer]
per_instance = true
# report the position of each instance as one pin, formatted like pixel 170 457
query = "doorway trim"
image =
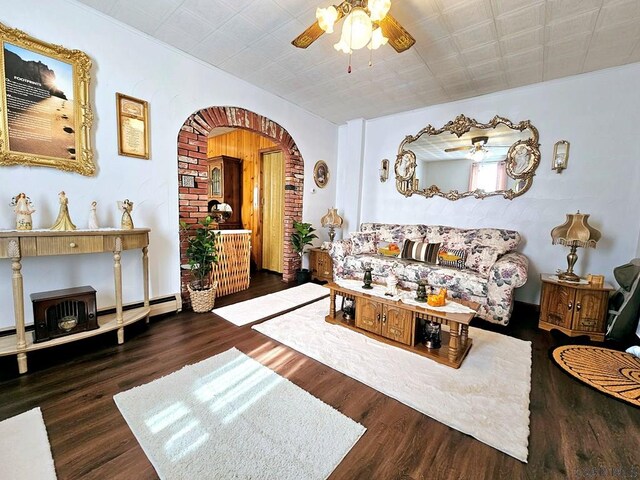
pixel 192 161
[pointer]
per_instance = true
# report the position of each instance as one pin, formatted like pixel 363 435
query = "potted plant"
pixel 301 237
pixel 202 254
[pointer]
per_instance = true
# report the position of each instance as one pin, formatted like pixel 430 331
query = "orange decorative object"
pixel 438 299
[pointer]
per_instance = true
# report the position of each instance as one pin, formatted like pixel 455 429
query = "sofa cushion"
pixel 363 242
pixel 462 281
pixel 452 257
pixel 387 232
pixel 480 259
pixel 502 240
pixel 421 251
pixel 465 282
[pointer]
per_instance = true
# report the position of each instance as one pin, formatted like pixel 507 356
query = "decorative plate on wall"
pixel 321 174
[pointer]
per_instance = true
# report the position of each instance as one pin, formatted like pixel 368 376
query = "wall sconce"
pixel 560 156
pixel 384 170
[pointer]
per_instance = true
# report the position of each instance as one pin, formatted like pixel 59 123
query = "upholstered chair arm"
pixel 340 249
pixel 508 273
pixel 510 269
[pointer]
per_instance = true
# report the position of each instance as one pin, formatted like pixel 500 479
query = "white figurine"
pixel 392 286
pixel 93 217
pixel 24 209
pixel 127 207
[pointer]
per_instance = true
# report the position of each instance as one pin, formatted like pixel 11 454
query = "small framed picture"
pixel 133 126
pixel 321 174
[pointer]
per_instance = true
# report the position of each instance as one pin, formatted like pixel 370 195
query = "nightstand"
pixel 574 309
pixel 320 264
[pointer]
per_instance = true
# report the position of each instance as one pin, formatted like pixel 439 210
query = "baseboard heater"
pixel 159 306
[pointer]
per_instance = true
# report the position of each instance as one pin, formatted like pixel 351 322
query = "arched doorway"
pixel 192 161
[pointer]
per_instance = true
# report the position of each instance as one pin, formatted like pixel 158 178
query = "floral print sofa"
pixel 492 268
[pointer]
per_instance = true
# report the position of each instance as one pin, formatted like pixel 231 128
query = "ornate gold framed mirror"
pixel 466 158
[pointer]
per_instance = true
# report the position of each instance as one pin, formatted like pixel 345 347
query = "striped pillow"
pixel 421 251
pixel 452 257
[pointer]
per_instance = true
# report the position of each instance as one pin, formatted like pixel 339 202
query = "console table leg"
pixel 117 276
pixel 464 335
pixel 454 341
pixel 145 277
pixel 18 304
pixel 332 303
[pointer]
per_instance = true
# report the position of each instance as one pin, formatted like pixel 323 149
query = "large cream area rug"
pixel 487 397
pixel 231 417
pixel 25 453
pixel 257 308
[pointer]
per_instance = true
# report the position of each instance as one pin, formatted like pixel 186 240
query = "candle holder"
pixel 368 279
pixel 348 308
pixel 421 293
pixel 432 335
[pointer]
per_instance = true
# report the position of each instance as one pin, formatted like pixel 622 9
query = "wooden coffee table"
pixel 396 323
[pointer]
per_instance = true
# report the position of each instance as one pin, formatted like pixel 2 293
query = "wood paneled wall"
pixel 248 146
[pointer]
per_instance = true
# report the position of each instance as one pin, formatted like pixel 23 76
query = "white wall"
pixel 598 113
pixel 175 85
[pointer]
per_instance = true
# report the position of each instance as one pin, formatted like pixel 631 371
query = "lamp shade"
pixel 331 219
pixel 576 231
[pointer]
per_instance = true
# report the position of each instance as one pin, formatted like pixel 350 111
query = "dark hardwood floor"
pixel 576 432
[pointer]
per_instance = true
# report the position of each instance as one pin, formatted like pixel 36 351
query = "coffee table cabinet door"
pixel 368 315
pixel 396 324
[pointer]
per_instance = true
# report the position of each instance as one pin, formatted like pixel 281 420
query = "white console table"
pixel 16 244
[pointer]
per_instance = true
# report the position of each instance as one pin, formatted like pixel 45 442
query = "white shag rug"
pixel 231 417
pixel 257 308
pixel 25 453
pixel 487 397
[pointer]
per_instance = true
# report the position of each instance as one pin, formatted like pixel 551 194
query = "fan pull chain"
pixel 371 57
pixel 349 69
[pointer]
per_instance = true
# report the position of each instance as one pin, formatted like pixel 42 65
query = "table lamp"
pixel 331 220
pixel 575 232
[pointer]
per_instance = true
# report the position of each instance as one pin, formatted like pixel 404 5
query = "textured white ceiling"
pixel 463 48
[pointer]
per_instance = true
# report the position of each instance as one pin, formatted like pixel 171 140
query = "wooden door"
pixel 272 211
pixel 368 314
pixel 396 324
pixel 590 311
pixel 557 305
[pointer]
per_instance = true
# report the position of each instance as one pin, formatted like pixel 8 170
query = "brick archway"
pixel 192 160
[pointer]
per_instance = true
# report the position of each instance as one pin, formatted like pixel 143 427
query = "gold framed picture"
pixel 321 173
pixel 46 114
pixel 133 126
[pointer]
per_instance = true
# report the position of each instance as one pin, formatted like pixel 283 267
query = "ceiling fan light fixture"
pixel 378 9
pixel 357 29
pixel 478 154
pixel 377 39
pixel 327 18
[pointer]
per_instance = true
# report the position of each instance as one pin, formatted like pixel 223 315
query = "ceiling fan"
pixel 477 143
pixel 478 148
pixel 382 27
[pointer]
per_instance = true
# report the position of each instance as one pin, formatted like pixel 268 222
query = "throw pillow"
pixel 481 258
pixel 452 257
pixel 363 242
pixel 421 251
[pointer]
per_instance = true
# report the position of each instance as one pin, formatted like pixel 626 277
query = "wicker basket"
pixel 202 300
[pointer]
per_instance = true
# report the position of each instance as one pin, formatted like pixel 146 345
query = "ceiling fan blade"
pixel 314 32
pixel 458 149
pixel 309 36
pixel 398 37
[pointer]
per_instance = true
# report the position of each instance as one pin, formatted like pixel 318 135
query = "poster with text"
pixel 40 103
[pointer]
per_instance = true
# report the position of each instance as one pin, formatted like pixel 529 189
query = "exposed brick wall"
pixel 192 160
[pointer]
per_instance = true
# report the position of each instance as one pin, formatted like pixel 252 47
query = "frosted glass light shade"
pixel 377 39
pixel 327 18
pixel 356 31
pixel 378 9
